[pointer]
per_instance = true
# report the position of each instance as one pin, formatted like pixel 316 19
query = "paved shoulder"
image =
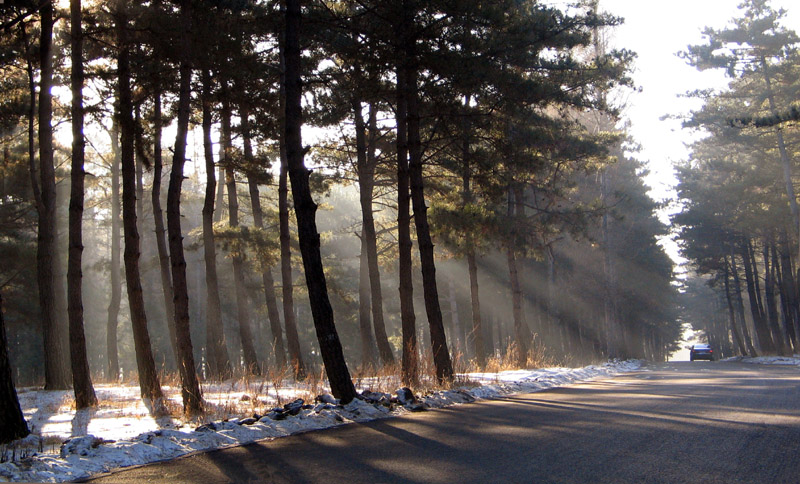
pixel 700 422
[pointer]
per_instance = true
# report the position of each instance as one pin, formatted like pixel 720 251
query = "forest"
pixel 739 224
pixel 215 188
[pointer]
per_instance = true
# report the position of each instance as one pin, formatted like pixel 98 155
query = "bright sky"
pixel 657 31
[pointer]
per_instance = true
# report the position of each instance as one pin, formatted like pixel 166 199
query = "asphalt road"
pixel 701 422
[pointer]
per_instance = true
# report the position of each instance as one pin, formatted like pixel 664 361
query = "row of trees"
pixel 494 115
pixel 740 222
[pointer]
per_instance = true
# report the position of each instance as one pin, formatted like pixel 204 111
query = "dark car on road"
pixel 701 352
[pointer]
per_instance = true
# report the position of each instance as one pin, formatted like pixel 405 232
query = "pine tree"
pixel 81 375
pixel 305 209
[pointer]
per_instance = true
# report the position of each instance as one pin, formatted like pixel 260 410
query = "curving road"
pixel 703 422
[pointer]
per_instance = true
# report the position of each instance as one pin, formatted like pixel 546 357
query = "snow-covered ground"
pixel 68 445
pixel 767 360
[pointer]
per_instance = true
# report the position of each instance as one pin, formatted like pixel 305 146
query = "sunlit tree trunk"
pixel 258 221
pixel 410 363
pixel 770 303
pixel 81 375
pixel 148 376
pixel 365 168
pixel 190 387
pixel 368 358
pixel 737 292
pixel 788 288
pixel 115 298
pixel 268 281
pixel 216 350
pixel 237 258
pixel 521 331
pixel 160 230
pixel 305 210
pixel 287 290
pixel 737 336
pixel 765 343
pixel 56 363
pixel 472 264
pixel 441 354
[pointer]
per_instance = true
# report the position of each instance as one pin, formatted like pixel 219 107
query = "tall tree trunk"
pixel 610 313
pixel 148 376
pixel 410 364
pixel 160 230
pixel 472 265
pixel 737 286
pixel 190 387
pixel 785 320
pixel 219 363
pixel 81 374
pixel 287 290
pixel 305 209
pixel 441 355
pixel 32 112
pixel 237 258
pixel 267 280
pixel 737 336
pixel 56 364
pixel 788 291
pixel 368 346
pixel 258 221
pixel 12 420
pixel 477 324
pixel 771 305
pixel 365 168
pixel 376 291
pixel 762 332
pixel 112 321
pixel 521 331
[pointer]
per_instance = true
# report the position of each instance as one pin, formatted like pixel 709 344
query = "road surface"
pixel 702 422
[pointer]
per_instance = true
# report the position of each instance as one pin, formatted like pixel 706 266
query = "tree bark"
pixel 521 331
pixel 441 355
pixel 785 318
pixel 56 363
pixel 737 336
pixel 12 420
pixel 160 230
pixel 305 209
pixel 287 290
pixel 148 376
pixel 112 321
pixel 368 358
pixel 737 286
pixel 81 374
pixel 237 257
pixel 762 332
pixel 472 265
pixel 477 324
pixel 258 221
pixel 410 363
pixel 190 387
pixel 789 290
pixel 268 281
pixel 771 305
pixel 365 169
pixel 219 363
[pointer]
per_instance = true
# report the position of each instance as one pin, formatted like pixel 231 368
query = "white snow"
pixel 68 445
pixel 767 360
